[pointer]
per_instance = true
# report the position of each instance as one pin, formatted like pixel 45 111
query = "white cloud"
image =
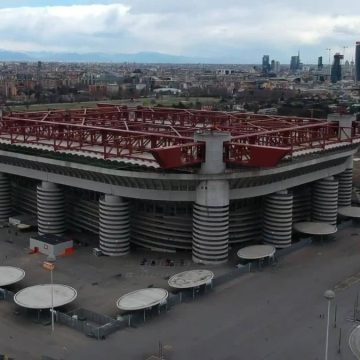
pixel 181 27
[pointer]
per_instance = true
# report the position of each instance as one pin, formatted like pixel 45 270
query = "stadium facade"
pixel 175 180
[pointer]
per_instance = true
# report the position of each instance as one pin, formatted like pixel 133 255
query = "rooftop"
pixel 164 137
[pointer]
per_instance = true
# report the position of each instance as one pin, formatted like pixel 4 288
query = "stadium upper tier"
pixel 174 180
pixel 166 138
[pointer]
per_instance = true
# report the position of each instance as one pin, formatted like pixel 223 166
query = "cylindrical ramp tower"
pixel 325 200
pixel 211 223
pixel 345 188
pixel 5 198
pixel 277 219
pixel 114 226
pixel 210 233
pixel 50 209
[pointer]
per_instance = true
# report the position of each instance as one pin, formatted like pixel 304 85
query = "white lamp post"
pixel 52 260
pixel 328 295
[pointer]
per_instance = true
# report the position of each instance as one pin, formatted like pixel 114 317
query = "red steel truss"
pixel 165 135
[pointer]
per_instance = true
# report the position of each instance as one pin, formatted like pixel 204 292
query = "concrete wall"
pixel 258 182
pixel 50 249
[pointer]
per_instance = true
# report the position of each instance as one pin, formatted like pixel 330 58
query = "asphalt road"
pixel 276 314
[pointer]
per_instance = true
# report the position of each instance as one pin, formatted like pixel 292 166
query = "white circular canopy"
pixel 40 296
pixel 315 228
pixel 256 252
pixel 142 299
pixel 191 279
pixel 10 275
pixel 350 211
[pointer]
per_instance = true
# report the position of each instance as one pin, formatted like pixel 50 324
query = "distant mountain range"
pixel 13 56
pixel 141 57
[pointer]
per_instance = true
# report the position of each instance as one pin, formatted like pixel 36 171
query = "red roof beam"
pixel 254 155
pixel 78 126
pixel 179 156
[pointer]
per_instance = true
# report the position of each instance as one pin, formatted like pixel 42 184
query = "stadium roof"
pixel 164 137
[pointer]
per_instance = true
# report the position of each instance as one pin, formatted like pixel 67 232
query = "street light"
pixel 328 295
pixel 51 259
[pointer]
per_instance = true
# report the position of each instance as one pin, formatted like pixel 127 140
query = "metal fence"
pixel 6 295
pixel 110 328
pixel 93 317
pixel 230 275
pixel 90 323
pixel 294 247
pixel 174 299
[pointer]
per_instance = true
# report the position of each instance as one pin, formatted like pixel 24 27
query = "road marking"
pixel 348 282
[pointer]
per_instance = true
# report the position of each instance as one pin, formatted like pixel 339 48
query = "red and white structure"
pixel 175 179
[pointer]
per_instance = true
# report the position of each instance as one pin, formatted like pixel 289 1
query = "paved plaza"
pixel 274 314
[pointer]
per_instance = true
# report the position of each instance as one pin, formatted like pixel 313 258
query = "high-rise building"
pixel 357 62
pixel 272 67
pixel 295 63
pixel 352 69
pixel 347 67
pixel 320 63
pixel 277 67
pixel 336 68
pixel 266 64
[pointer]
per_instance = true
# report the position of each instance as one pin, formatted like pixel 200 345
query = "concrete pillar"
pixel 302 204
pixel 50 209
pixel 5 198
pixel 214 152
pixel 211 223
pixel 114 226
pixel 345 124
pixel 325 200
pixel 277 219
pixel 345 188
pixel 211 208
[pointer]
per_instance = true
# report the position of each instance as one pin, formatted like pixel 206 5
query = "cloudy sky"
pixel 234 30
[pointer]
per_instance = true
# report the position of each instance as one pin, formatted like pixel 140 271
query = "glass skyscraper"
pixel 336 68
pixel 357 62
pixel 266 64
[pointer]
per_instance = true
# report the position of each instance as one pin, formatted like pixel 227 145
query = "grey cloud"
pixel 194 28
pixel 347 30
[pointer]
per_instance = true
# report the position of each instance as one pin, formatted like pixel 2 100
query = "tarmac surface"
pixel 275 314
pixel 99 281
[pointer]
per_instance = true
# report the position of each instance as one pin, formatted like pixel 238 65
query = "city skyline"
pixel 230 31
